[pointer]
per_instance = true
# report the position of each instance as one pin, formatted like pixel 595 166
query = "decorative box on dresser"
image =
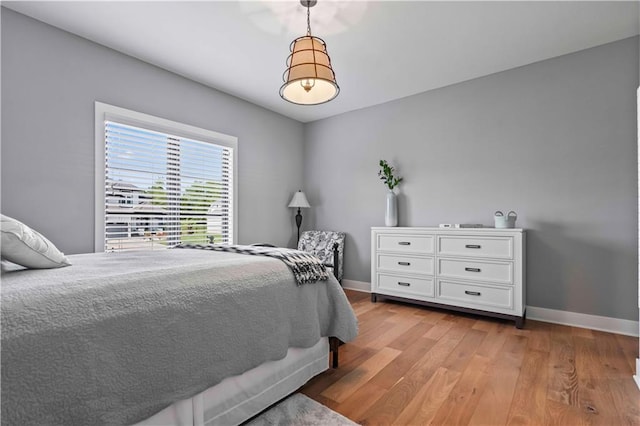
pixel 477 270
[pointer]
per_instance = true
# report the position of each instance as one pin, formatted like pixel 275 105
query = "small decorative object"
pixel 299 200
pixel 502 221
pixel 386 174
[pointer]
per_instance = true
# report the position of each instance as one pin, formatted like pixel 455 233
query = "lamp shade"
pixel 299 200
pixel 309 78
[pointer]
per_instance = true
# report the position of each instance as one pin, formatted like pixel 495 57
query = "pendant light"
pixel 309 78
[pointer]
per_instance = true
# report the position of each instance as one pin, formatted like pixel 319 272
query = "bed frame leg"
pixel 334 343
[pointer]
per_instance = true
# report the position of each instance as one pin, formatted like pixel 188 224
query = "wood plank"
pixel 494 341
pixel 401 325
pixel 366 337
pixel 611 353
pixel 485 324
pixel 395 371
pixel 561 414
pixel 626 399
pixel 594 396
pixel 377 311
pixel 410 336
pixel 463 399
pixel 349 351
pixel 500 387
pixel 438 330
pixel 360 402
pixel 629 347
pixel 427 401
pixel 318 384
pixel 431 315
pixel 350 383
pixel 363 307
pixel 357 296
pixel 582 332
pixel 529 402
pixel 397 398
pixel 459 358
pixel 539 336
pixel 563 379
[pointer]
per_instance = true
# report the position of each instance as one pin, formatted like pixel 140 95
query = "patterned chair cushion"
pixel 321 244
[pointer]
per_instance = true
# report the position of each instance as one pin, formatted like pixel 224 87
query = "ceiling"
pixel 380 51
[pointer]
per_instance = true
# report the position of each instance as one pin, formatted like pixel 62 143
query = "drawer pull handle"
pixel 404 263
pixel 472 269
pixel 472 293
pixel 404 284
pixel 404 243
pixel 473 246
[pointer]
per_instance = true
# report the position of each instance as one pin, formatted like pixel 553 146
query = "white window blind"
pixel 162 190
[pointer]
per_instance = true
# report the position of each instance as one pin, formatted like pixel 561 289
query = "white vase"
pixel 391 212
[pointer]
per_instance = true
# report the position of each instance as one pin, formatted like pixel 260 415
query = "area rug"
pixel 298 409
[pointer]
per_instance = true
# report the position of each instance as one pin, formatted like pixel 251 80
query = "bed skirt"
pixel 238 398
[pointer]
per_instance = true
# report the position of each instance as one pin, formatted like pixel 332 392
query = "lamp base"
pixel 298 223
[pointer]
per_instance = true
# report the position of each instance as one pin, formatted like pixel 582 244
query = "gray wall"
pixel 50 80
pixel 555 141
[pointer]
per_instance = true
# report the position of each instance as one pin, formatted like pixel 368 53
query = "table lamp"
pixel 299 200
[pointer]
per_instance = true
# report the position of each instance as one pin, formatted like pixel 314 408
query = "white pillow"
pixel 26 247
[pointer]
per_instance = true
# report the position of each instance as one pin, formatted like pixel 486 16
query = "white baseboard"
pixel 593 322
pixel 356 285
pixel 637 376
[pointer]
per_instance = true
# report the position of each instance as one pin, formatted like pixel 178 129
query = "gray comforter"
pixel 117 337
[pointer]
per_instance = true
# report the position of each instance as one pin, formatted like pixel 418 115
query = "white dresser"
pixel 478 270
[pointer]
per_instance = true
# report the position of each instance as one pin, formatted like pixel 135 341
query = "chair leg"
pixel 336 262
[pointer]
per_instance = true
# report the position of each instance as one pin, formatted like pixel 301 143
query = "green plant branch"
pixel 386 174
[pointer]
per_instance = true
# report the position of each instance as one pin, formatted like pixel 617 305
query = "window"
pixel 161 183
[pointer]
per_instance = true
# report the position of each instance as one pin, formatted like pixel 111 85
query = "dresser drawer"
pixel 496 247
pixel 407 285
pixel 404 263
pixel 498 272
pixel 479 295
pixel 405 243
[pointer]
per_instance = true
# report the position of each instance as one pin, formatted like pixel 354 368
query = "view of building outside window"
pixel 162 190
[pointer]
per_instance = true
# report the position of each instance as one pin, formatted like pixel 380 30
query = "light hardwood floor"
pixel 413 365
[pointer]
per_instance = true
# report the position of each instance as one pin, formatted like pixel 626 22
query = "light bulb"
pixel 307 84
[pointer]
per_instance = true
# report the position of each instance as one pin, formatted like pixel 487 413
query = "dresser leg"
pixel 374 297
pixel 520 322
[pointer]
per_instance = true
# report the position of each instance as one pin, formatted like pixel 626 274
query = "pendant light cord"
pixel 308 20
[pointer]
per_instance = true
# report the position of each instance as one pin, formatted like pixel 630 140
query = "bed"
pixel 163 337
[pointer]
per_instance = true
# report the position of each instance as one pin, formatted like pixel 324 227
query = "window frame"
pixel 104 112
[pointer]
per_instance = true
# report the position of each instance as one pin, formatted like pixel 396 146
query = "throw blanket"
pixel 306 267
pixel 116 337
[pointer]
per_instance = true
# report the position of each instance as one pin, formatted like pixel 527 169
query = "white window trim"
pixel 105 112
